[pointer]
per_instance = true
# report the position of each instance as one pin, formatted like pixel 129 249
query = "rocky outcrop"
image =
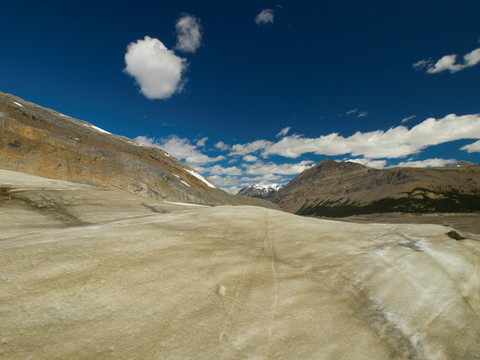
pixel 43 142
pixel 343 189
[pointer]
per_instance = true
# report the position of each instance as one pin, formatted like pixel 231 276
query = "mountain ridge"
pixel 341 189
pixel 43 142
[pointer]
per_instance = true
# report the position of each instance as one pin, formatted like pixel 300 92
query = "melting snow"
pixel 201 178
pixel 98 129
pixel 182 204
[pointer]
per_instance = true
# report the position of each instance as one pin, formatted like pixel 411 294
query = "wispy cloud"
pixel 449 63
pixel 189 33
pixel 408 118
pixel 157 70
pixel 474 147
pixel 359 114
pixel 436 162
pixel 283 132
pixel 378 164
pixel 182 149
pixel 244 149
pixel 220 170
pixel 266 16
pixel 264 168
pixel 202 141
pixel 250 158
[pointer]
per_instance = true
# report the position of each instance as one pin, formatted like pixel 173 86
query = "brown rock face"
pixel 43 142
pixel 342 189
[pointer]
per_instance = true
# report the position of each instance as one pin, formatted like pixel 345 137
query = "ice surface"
pixel 148 280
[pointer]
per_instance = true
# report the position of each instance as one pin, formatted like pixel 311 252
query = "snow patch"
pixel 185 183
pixel 201 178
pixel 98 129
pixel 267 186
pixel 16 103
pixel 183 204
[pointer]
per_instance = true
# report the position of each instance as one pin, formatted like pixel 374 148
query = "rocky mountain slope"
pixel 342 189
pixel 43 142
pixel 260 190
pixel 95 272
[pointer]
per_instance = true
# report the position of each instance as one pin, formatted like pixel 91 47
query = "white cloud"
pixel 266 16
pixel 362 114
pixel 449 63
pixel 427 163
pixel 157 70
pixel 350 112
pixel 181 149
pixel 244 149
pixel 222 146
pixel 408 118
pixel 475 147
pixel 220 170
pixel 250 158
pixel 262 168
pixel 284 131
pixel 189 33
pixel 378 164
pixel 201 142
pixel 422 64
pixel 394 143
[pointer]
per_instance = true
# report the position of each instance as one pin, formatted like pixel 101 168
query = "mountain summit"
pixel 260 190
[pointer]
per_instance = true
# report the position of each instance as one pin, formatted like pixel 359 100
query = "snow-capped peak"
pixel 267 186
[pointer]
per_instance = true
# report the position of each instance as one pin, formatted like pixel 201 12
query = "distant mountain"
pixel 342 189
pixel 44 142
pixel 261 190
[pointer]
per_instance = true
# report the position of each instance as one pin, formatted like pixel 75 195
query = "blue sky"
pixel 257 90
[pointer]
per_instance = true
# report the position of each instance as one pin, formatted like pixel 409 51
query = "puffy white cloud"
pixel 222 146
pixel 475 147
pixel 284 131
pixel 427 163
pixel 189 33
pixel 472 58
pixel 157 70
pixel 266 16
pixel 181 149
pixel 449 63
pixel 250 158
pixel 397 142
pixel 262 168
pixel 244 149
